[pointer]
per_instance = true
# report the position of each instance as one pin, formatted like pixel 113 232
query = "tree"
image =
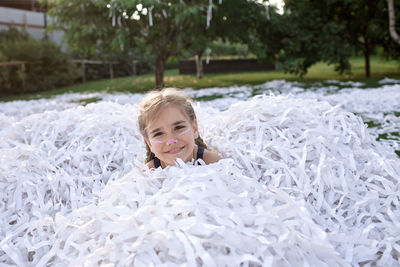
pixel 233 21
pixel 330 31
pixel 89 32
pixel 301 37
pixel 392 22
pixel 167 27
pixel 365 25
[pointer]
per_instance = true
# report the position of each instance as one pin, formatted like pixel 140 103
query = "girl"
pixel 169 126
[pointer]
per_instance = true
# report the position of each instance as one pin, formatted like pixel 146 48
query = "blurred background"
pixel 55 46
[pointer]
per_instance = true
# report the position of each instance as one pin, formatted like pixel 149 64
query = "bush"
pixel 47 68
pixel 230 50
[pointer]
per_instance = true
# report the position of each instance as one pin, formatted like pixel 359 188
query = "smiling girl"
pixel 169 126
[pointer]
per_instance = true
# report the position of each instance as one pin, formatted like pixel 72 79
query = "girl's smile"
pixel 175 150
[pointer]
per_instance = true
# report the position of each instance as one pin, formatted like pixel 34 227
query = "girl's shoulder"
pixel 150 164
pixel 210 156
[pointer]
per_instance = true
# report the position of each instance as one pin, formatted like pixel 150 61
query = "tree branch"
pixel 392 22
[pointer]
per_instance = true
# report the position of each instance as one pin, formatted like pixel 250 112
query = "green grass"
pixel 143 83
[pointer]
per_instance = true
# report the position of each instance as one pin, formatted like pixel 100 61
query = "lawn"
pixel 142 83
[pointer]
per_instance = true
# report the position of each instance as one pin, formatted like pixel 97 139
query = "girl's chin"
pixel 170 158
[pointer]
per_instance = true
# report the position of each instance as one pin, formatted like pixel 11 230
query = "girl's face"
pixel 171 135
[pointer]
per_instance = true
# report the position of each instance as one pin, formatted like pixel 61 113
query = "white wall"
pixel 32 21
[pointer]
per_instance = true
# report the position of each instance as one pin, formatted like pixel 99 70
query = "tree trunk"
pixel 392 22
pixel 366 59
pixel 160 63
pixel 199 64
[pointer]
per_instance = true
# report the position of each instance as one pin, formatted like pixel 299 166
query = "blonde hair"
pixel 154 102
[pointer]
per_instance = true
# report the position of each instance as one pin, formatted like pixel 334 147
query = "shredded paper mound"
pixel 302 182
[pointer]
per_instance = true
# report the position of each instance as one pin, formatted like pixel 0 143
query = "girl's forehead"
pixel 168 109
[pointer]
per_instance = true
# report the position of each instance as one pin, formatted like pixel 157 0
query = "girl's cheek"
pixel 156 142
pixel 184 132
pixel 158 145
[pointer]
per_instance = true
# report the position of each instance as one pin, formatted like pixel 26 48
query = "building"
pixel 27 14
pixel 32 5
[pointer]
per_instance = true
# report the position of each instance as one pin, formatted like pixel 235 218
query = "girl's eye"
pixel 179 127
pixel 157 134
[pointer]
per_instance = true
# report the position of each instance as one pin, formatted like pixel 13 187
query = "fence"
pixel 84 62
pixel 111 65
pixel 17 63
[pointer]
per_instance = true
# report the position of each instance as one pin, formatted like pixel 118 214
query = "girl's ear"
pixel 195 129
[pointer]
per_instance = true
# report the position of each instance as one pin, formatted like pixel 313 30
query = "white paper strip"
pixel 304 183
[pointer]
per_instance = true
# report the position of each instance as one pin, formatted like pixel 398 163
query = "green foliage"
pixel 97 27
pixel 231 28
pixel 13 35
pixel 92 32
pixel 390 49
pixel 301 37
pixel 156 30
pixel 308 32
pixel 221 49
pixel 47 66
pixel 329 31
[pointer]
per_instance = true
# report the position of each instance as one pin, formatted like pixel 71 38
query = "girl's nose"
pixel 171 141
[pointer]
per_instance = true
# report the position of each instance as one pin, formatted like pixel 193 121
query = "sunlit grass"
pixel 142 83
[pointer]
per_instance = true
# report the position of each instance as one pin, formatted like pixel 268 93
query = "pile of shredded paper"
pixel 303 182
